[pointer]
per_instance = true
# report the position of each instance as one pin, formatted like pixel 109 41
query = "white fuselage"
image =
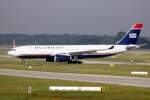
pixel 52 50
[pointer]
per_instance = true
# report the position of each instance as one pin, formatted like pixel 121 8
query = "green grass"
pixel 124 70
pixel 15 88
pixel 127 57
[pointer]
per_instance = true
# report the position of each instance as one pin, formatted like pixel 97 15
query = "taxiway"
pixel 119 80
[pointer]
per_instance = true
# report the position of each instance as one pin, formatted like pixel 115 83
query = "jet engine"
pixel 59 58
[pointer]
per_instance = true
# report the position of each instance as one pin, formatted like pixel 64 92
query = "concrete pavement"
pixel 108 79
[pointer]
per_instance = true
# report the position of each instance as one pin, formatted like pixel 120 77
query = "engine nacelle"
pixel 62 58
pixel 59 58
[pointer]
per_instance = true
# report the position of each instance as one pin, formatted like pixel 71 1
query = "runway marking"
pixel 119 80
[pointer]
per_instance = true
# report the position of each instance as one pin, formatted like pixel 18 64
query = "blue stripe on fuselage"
pixel 94 55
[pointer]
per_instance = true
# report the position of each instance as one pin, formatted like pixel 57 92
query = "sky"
pixel 98 17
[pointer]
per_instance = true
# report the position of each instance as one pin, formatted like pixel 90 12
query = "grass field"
pixel 127 57
pixel 15 88
pixel 124 70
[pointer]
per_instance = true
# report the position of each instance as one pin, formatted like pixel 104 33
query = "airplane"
pixel 73 53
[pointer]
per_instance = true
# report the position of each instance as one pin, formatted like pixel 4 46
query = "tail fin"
pixel 132 35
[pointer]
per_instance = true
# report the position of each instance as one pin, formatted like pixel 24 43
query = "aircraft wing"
pixel 88 51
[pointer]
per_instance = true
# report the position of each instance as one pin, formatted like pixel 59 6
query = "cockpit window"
pixel 13 49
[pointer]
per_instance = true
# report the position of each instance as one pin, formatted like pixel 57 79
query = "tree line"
pixel 69 39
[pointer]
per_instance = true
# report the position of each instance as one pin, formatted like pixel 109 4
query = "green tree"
pixel 119 36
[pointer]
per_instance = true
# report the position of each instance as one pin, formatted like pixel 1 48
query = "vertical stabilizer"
pixel 131 37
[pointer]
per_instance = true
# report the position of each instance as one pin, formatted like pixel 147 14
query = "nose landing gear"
pixel 23 61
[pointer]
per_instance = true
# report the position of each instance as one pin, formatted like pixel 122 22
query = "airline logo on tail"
pixel 135 27
pixel 132 35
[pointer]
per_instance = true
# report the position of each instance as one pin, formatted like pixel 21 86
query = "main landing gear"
pixel 75 60
pixel 23 61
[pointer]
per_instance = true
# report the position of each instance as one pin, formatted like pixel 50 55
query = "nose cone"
pixel 12 53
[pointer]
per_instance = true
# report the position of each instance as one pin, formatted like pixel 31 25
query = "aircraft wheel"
pixel 75 62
